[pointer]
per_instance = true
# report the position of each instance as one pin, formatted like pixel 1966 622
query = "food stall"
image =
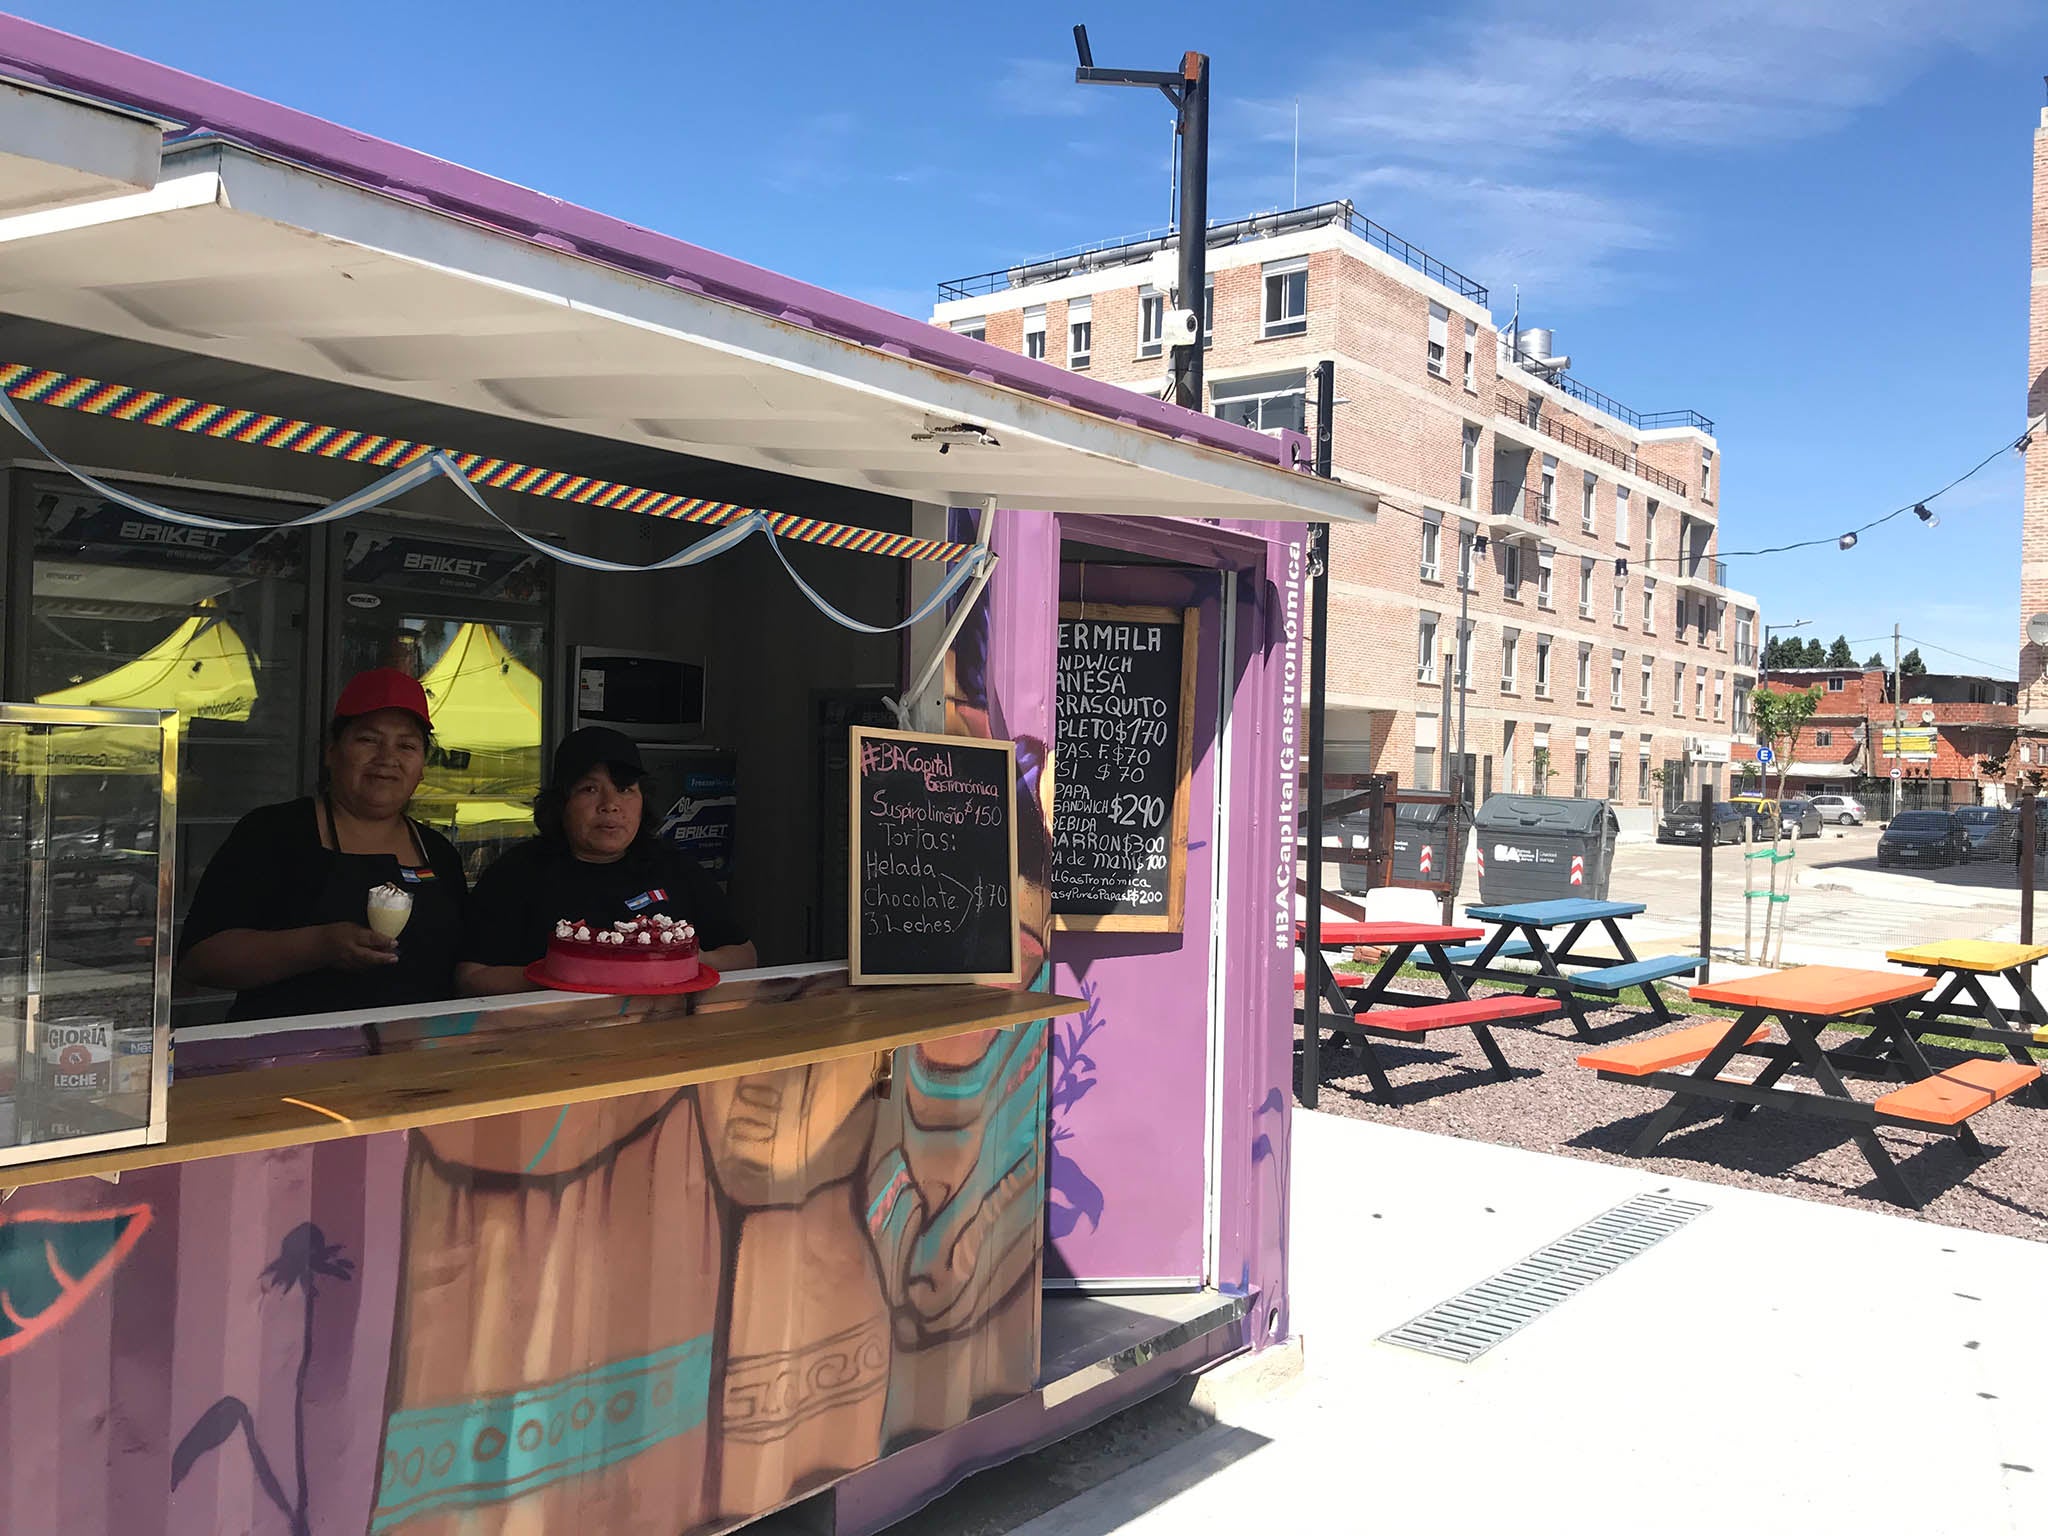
pixel 604 1262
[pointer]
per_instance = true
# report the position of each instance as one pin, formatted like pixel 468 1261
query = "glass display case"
pixel 87 825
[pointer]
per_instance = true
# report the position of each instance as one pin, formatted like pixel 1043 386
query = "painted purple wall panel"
pixel 1130 1082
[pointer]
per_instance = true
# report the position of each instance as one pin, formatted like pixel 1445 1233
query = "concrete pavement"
pixel 1776 1366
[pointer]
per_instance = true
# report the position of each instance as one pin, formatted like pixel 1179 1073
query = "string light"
pixel 1846 541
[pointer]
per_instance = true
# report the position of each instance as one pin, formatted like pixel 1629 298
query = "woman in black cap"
pixel 595 861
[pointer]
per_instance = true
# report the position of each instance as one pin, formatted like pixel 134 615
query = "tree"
pixel 1816 654
pixel 1540 766
pixel 1910 664
pixel 1839 654
pixel 1779 718
pixel 1875 663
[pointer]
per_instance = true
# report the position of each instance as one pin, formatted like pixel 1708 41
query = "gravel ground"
pixel 1554 1105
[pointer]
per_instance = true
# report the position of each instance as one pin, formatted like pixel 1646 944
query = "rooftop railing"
pixel 1586 443
pixel 1141 247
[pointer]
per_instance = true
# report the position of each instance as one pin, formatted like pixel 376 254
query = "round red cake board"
pixel 707 978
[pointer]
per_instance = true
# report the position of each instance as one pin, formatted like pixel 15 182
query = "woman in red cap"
pixel 282 915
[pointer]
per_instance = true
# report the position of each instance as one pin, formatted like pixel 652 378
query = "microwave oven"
pixel 641 694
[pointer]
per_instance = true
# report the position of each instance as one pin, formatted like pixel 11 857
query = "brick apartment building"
pixel 2033 751
pixel 1496 470
pixel 1953 745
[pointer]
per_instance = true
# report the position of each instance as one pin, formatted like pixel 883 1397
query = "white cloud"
pixel 1043 88
pixel 1503 126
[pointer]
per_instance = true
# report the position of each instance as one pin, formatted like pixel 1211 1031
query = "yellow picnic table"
pixel 1961 1004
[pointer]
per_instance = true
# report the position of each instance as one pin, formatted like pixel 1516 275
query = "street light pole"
pixel 1188 89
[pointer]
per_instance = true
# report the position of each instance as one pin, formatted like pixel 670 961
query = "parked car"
pixel 1682 823
pixel 1923 837
pixel 1842 810
pixel 1800 817
pixel 1759 809
pixel 1994 832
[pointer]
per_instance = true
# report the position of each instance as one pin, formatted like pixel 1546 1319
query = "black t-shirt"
pixel 519 899
pixel 272 873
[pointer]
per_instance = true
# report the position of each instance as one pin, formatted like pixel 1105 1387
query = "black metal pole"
pixel 1318 673
pixel 1706 878
pixel 2030 812
pixel 1194 222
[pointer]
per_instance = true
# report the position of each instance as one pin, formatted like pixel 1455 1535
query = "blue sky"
pixel 1807 219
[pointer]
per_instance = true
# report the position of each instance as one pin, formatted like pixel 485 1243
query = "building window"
pixel 1432 544
pixel 1471 349
pixel 1269 402
pixel 1643 780
pixel 1699 694
pixel 1649 606
pixel 1511 569
pixel 1286 297
pixel 1614 682
pixel 1151 321
pixel 1465 556
pixel 1545 559
pixel 1425 649
pixel 1836 684
pixel 1425 767
pixel 1546 498
pixel 974 330
pixel 1613 773
pixel 1823 738
pixel 1468 464
pixel 1741 722
pixel 1678 688
pixel 1439 337
pixel 1743 633
pixel 1510 655
pixel 1707 474
pixel 1621 514
pixel 1579 780
pixel 1588 516
pixel 1208 312
pixel 1650 530
pixel 1649 684
pixel 1034 331
pixel 1535 409
pixel 1720 693
pixel 1585 674
pixel 1080 332
pixel 1620 599
pixel 1465 653
pixel 1543 666
pixel 1585 588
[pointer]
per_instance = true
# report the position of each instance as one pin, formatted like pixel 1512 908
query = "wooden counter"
pixel 467 1078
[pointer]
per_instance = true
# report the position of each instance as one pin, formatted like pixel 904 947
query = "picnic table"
pixel 1959 968
pixel 1520 930
pixel 1371 1008
pixel 1804 1002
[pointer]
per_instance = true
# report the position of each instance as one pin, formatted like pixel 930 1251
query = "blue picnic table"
pixel 1521 931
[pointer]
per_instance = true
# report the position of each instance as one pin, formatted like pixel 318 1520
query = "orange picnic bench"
pixel 1804 1002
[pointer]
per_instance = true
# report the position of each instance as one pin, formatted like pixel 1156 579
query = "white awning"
pixel 240 256
pixel 1822 771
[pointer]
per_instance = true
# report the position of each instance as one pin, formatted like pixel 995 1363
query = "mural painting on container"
pixel 661 1313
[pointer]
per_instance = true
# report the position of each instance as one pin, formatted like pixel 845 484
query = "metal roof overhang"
pixel 245 257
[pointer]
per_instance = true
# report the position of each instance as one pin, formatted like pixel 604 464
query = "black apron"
pixel 425 969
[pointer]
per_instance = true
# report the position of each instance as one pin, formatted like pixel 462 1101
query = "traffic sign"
pixel 1898 774
pixel 1763 754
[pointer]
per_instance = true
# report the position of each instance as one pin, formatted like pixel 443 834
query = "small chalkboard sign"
pixel 933 878
pixel 1124 708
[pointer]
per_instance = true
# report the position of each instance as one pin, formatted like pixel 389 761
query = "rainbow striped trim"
pixel 94 397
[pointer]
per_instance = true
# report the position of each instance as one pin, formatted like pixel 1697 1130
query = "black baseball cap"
pixel 583 750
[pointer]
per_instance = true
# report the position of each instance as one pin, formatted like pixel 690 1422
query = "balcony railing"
pixel 1572 437
pixel 1745 654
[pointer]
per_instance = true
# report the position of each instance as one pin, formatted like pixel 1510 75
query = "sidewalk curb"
pixel 1229 1388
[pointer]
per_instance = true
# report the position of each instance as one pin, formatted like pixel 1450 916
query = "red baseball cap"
pixel 383 688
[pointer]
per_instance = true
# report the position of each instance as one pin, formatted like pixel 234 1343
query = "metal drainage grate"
pixel 1471 1323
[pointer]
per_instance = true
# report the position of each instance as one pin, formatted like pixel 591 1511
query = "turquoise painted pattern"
pixel 494 1449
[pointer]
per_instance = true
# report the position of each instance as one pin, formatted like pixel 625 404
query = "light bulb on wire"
pixel 1920 511
pixel 1846 541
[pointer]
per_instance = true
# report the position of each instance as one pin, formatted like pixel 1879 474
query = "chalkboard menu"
pixel 1124 704
pixel 933 887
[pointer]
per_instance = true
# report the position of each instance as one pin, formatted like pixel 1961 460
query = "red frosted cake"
pixel 632 956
